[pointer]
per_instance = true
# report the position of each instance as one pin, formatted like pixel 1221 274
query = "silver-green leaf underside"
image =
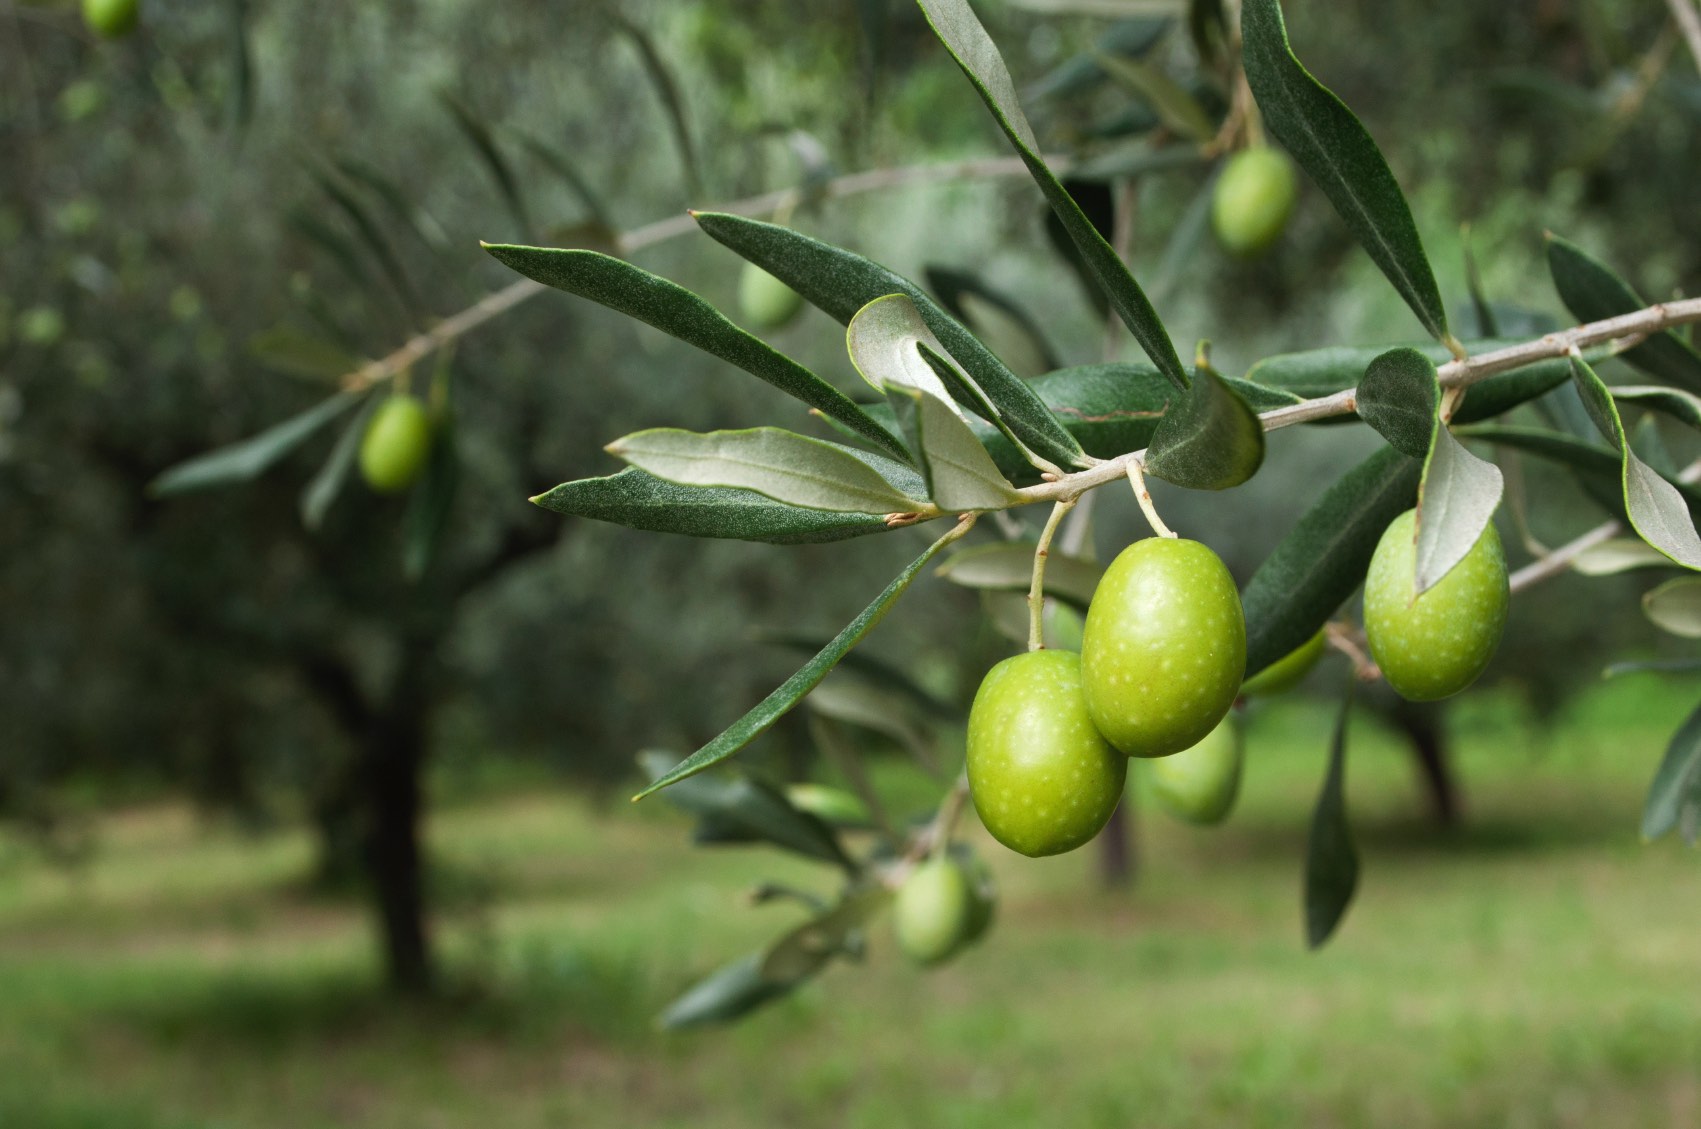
pixel 780 464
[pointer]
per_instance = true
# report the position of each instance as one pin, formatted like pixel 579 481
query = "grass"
pixel 1540 969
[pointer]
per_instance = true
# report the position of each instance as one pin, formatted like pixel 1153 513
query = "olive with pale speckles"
pixel 1164 648
pixel 934 910
pixel 1200 784
pixel 1434 645
pixel 1043 780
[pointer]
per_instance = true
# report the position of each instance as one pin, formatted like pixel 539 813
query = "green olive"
pixel 767 302
pixel 111 19
pixel 1254 197
pixel 933 910
pixel 396 444
pixel 1042 778
pixel 983 901
pixel 1200 784
pixel 1165 647
pixel 1436 644
pixel 1288 671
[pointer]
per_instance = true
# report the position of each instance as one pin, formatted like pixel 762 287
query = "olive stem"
pixel 1036 587
pixel 1348 640
pixel 936 836
pixel 1144 496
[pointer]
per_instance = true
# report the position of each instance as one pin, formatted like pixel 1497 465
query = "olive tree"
pixel 950 440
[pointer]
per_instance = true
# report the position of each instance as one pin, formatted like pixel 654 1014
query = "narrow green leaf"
pixel 324 487
pixel 1009 566
pixel 478 135
pixel 841 283
pixel 1324 557
pixel 248 459
pixel 875 671
pixel 1662 666
pixel 728 993
pixel 805 950
pixel 406 209
pixel 1675 606
pixel 860 702
pixel 1678 404
pixel 1176 107
pixel 1338 154
pixel 961 32
pixel 1207 25
pixel 675 310
pixel 431 501
pixel 1592 291
pixel 885 340
pixel 667 89
pixel 1331 859
pixel 1399 397
pixel 1209 439
pixel 371 233
pixel 752 810
pixel 961 476
pixel 1321 372
pixel 1457 498
pixel 291 351
pixel 1480 305
pixel 1676 788
pixel 1127 38
pixel 1657 509
pixel 1621 554
pixel 781 464
pixel 1002 323
pixel 558 163
pixel 639 500
pixel 776 704
pixel 1500 394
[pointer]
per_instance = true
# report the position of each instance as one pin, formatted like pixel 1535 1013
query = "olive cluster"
pixel 1161 664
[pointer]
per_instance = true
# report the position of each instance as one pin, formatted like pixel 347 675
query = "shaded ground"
pixel 1540 969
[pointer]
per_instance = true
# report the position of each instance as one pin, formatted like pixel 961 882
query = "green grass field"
pixel 1542 968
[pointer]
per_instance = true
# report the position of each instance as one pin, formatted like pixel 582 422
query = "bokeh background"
pixel 205 223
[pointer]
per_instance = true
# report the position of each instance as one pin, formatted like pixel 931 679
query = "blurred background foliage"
pixel 202 223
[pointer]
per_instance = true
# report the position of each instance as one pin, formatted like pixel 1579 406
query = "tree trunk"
pixel 1116 848
pixel 393 757
pixel 1423 726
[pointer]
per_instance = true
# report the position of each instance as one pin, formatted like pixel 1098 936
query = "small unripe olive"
pixel 396 444
pixel 111 19
pixel 1254 197
pixel 1200 784
pixel 1288 671
pixel 1043 780
pixel 767 302
pixel 1165 647
pixel 933 910
pixel 1436 644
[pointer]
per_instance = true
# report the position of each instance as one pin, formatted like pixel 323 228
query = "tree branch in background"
pixel 1689 23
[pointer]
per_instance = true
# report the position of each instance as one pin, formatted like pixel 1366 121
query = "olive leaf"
pixel 961 476
pixel 289 350
pixel 1009 567
pixel 958 28
pixel 1176 108
pixel 781 464
pixel 1324 557
pixel 1674 796
pixel 639 500
pixel 1657 509
pixel 1674 402
pixel 857 701
pixel 1399 397
pixel 1331 859
pixel 775 705
pixel 1621 554
pixel 430 501
pixel 1209 439
pixel 1338 154
pixel 327 483
pixel 841 283
pixel 675 310
pixel 1675 606
pixel 741 808
pixel 1592 291
pixel 731 991
pixel 248 459
pixel 1457 497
